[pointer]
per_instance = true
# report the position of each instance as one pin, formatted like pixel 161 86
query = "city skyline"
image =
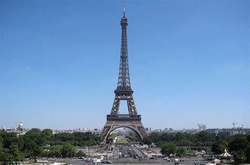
pixel 189 62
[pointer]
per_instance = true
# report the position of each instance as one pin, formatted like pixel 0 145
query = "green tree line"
pixel 44 143
pixel 181 143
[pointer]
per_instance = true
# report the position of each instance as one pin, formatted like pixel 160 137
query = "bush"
pixel 168 148
pixel 80 154
pixel 181 152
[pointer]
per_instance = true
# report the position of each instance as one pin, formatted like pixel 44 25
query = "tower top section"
pixel 123 85
pixel 124 20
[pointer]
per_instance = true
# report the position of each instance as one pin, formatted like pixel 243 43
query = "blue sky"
pixel 189 62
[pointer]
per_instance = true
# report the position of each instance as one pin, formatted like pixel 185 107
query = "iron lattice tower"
pixel 123 91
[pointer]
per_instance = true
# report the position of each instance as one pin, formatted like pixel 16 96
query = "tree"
pixel 240 156
pixel 219 147
pixel 237 143
pixel 47 133
pixel 184 142
pixel 1 143
pixel 168 148
pixel 239 146
pixel 31 148
pixel 153 137
pixel 147 140
pixel 16 154
pixel 9 155
pixel 1 149
pixel 77 138
pixel 36 135
pixel 205 138
pixel 9 139
pixel 5 157
pixel 248 138
pixel 55 151
pixel 248 153
pixel 68 150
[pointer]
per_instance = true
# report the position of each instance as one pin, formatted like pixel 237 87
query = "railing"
pixel 125 117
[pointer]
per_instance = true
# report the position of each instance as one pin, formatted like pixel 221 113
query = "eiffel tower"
pixel 123 92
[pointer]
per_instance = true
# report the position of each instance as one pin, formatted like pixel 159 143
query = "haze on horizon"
pixel 189 62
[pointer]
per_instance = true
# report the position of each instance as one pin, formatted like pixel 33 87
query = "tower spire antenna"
pixel 124 12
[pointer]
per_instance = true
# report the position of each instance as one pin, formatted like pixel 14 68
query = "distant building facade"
pixel 229 131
